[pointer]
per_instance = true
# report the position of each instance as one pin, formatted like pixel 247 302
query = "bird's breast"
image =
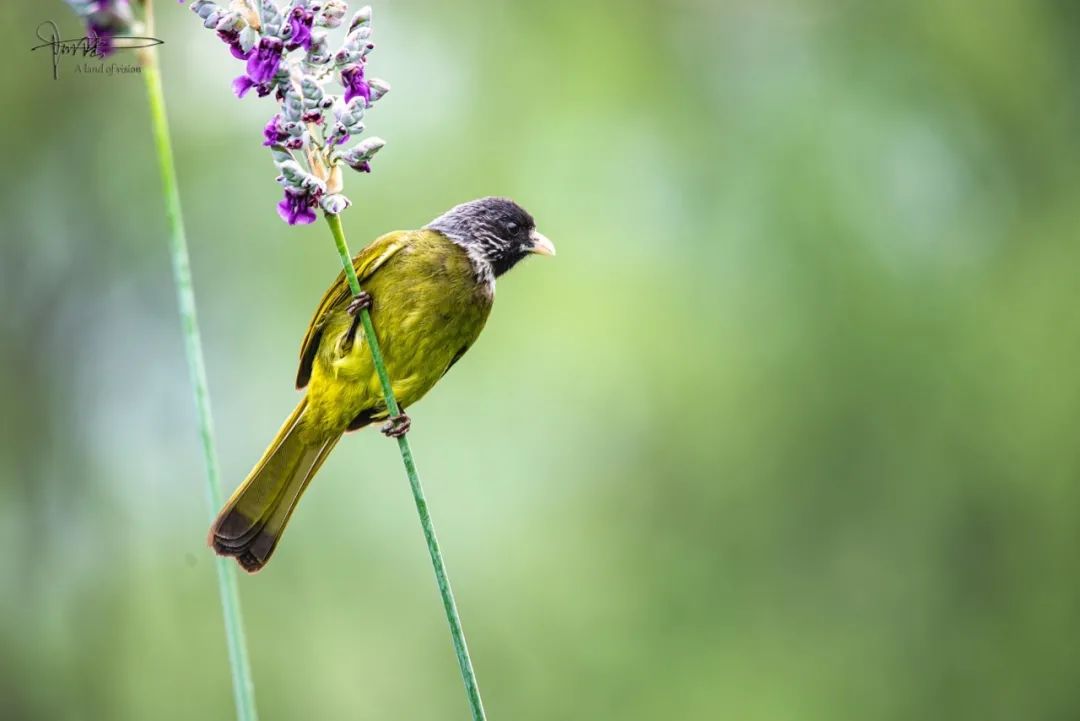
pixel 428 308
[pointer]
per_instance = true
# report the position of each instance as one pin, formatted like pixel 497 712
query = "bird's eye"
pixel 511 228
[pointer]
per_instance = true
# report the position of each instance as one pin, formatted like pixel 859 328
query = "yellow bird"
pixel 429 293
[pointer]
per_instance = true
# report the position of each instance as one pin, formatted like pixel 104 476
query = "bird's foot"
pixel 398 426
pixel 361 301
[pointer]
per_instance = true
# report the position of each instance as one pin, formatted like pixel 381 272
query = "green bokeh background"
pixel 787 431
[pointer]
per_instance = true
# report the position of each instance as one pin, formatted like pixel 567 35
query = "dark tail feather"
pixel 252 521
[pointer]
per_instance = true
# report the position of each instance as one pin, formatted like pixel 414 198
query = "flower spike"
pixel 287 54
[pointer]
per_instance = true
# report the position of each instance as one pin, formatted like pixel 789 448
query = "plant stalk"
pixel 472 691
pixel 243 688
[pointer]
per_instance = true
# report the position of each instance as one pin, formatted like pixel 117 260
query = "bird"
pixel 429 293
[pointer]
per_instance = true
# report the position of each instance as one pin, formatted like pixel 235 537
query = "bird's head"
pixel 496 231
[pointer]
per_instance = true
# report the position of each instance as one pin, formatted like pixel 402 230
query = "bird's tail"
pixel 252 521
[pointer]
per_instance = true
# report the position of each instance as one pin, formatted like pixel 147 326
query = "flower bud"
pixel 319 53
pixel 379 88
pixel 280 156
pixel 247 38
pixel 312 91
pixel 292 174
pixel 359 156
pixel 332 13
pixel 203 8
pixel 230 22
pixel 334 204
pixel 271 19
pixel 362 18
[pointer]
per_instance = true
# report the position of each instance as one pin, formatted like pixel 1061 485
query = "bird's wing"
pixel 366 262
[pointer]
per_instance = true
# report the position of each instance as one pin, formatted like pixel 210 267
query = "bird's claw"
pixel 361 301
pixel 398 426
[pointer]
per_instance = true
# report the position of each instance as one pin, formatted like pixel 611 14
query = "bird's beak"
pixel 540 244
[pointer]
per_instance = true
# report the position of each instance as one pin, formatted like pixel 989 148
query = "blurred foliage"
pixel 787 431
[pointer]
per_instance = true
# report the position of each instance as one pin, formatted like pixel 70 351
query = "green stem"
pixel 243 689
pixel 452 618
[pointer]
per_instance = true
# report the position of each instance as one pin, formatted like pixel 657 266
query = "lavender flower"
pixel 232 37
pixel 299 29
pixel 298 207
pixel 287 53
pixel 352 78
pixel 261 68
pixel 274 133
pixel 105 19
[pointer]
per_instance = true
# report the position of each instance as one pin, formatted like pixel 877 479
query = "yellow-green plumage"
pixel 429 305
pixel 428 309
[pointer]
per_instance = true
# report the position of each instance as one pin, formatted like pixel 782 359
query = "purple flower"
pixel 352 79
pixel 105 19
pixel 262 66
pixel 232 37
pixel 298 206
pixel 300 20
pixel 339 135
pixel 101 39
pixel 273 132
pixel 242 85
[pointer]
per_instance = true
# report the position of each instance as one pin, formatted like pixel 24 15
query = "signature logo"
pixel 89 46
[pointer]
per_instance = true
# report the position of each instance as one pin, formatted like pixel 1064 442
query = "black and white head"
pixel 496 233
